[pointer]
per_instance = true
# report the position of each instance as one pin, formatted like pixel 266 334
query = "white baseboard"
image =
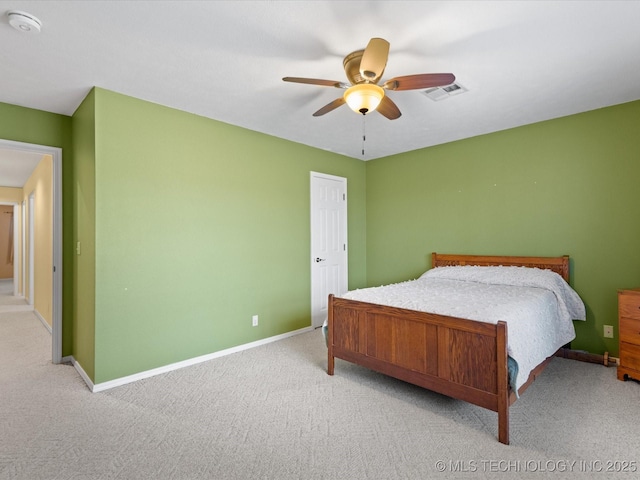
pixel 175 366
pixel 70 359
pixel 44 322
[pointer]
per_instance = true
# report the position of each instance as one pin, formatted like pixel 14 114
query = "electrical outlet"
pixel 608 331
pixel 254 319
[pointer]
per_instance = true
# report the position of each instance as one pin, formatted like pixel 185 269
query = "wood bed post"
pixel 330 358
pixel 503 383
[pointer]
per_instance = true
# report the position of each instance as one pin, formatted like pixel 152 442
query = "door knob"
pixel 318 259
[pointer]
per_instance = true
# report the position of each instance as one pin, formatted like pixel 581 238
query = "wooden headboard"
pixel 560 265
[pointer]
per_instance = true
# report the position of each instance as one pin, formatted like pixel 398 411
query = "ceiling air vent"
pixel 440 93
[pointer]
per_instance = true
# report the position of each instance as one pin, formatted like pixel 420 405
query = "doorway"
pixel 328 242
pixel 6 242
pixel 56 270
pixel 11 298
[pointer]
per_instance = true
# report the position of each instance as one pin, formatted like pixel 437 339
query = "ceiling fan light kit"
pixel 364 69
pixel 24 22
pixel 364 97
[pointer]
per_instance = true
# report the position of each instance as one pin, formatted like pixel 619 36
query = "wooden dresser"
pixel 629 330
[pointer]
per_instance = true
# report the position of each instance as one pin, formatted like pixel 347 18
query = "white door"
pixel 328 242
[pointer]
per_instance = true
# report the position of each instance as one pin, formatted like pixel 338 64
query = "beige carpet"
pixel 6 294
pixel 272 412
pixel 6 286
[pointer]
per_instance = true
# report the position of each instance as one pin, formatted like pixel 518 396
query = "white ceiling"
pixel 521 61
pixel 16 166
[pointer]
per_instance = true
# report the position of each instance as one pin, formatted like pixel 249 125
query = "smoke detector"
pixel 24 22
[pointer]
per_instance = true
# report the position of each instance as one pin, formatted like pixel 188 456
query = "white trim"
pixel 100 387
pixel 32 247
pixel 70 359
pixel 328 176
pixel 16 240
pixel 56 154
pixel 23 248
pixel 57 257
pixel 44 322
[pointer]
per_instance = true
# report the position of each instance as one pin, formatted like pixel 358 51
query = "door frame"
pixel 31 241
pixel 15 230
pixel 344 226
pixel 56 155
pixel 23 246
pixel 16 244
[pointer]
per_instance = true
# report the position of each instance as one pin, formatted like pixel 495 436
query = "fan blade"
pixel 331 106
pixel 422 80
pixel 316 81
pixel 374 59
pixel 388 108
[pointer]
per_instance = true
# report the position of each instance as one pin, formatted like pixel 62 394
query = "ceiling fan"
pixel 364 68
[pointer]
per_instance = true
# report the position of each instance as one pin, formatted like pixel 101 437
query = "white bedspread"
pixel 538 305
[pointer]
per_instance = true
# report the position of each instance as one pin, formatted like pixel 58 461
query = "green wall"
pixel 198 226
pixel 84 207
pixel 189 226
pixel 27 125
pixel 564 186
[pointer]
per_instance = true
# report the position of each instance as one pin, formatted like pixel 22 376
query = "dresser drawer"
pixel 630 356
pixel 629 306
pixel 629 330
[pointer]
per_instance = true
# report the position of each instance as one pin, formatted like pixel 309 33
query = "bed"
pixel 459 356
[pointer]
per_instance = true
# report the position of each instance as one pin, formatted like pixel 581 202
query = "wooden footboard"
pixel 463 359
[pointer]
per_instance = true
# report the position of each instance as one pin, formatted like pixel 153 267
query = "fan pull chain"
pixel 364 136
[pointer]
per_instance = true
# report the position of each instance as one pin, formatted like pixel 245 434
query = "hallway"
pixel 9 303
